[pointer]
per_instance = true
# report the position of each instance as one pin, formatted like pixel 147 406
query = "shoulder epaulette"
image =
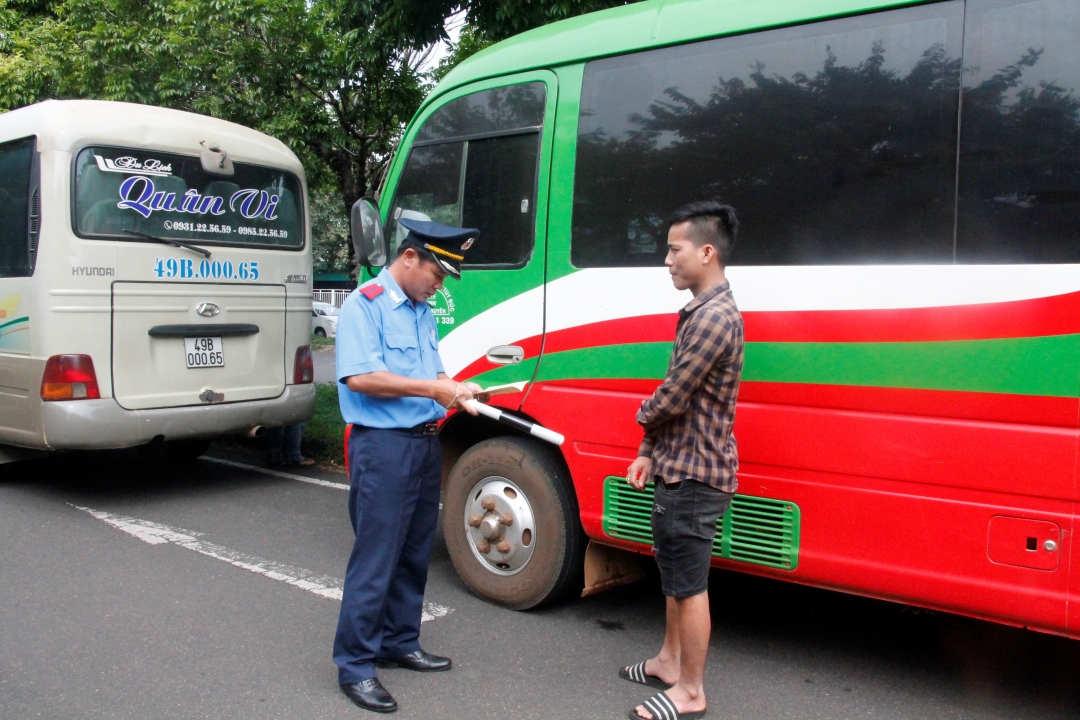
pixel 371 291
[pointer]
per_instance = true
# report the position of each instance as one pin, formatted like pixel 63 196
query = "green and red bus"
pixel 907 177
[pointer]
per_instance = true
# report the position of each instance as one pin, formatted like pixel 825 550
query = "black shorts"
pixel 684 524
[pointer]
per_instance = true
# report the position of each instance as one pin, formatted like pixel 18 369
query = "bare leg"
pixel 666 664
pixel 693 626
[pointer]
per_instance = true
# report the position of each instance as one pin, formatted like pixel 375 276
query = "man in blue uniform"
pixel 392 388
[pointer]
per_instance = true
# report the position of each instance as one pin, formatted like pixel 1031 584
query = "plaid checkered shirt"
pixel 688 420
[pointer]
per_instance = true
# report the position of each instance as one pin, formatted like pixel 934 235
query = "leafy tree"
pixel 470 42
pixel 336 80
pixel 329 230
pixel 419 22
pixel 318 78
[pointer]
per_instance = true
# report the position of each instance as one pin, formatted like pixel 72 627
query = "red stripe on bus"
pixel 1055 315
pixel 987 407
pixel 990 407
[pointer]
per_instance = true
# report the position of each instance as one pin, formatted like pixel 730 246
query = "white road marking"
pixel 432 611
pixel 157 534
pixel 277 473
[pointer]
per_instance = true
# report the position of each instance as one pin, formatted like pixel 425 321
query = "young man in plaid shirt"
pixel 690 452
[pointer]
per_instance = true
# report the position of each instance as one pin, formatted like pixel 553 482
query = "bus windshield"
pixel 121 191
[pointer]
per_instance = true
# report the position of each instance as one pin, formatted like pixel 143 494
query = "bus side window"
pixel 835 141
pixel 474 164
pixel 1019 199
pixel 19 208
pixel 500 192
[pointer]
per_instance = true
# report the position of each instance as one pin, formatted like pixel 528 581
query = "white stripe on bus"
pixel 603 294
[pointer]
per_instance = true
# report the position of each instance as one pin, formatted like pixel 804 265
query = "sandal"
pixel 661 707
pixel 637 674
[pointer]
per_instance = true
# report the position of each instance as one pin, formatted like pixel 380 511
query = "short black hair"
pixel 425 255
pixel 713 222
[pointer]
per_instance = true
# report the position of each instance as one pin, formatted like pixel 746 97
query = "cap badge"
pixel 467 244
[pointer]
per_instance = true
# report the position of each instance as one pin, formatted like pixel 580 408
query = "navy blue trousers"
pixel 394 479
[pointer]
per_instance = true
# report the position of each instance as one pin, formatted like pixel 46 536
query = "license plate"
pixel 203 352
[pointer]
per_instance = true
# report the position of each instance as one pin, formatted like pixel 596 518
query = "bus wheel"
pixel 511 523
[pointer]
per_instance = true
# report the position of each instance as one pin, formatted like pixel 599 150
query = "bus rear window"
pixel 122 191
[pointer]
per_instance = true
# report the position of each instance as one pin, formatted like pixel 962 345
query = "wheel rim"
pixel 501 548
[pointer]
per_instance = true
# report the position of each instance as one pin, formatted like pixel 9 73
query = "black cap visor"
pixel 448 266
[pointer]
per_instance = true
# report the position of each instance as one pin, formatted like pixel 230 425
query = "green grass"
pixel 324 434
pixel 317 341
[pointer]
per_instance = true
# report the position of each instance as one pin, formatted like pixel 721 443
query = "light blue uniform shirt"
pixel 388 333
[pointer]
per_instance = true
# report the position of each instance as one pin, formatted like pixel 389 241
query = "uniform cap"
pixel 447 243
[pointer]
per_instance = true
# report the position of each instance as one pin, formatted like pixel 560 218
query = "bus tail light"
pixel 303 367
pixel 69 377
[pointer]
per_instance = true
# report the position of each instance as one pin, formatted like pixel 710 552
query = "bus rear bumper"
pixel 103 424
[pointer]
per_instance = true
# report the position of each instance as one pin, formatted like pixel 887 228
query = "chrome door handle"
pixel 505 355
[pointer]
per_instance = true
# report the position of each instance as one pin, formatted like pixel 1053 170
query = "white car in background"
pixel 323 319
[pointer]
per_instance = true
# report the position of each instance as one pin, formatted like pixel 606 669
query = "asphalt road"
pixel 129 591
pixel 324 361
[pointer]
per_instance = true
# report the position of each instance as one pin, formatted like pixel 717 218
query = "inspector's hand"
pixel 478 392
pixel 465 392
pixel 452 394
pixel 638 473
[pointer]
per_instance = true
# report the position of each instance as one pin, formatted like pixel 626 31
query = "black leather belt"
pixel 428 428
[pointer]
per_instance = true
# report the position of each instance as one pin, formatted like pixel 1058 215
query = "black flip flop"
pixel 637 674
pixel 662 708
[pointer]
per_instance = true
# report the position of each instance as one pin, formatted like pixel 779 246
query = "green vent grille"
pixel 756 530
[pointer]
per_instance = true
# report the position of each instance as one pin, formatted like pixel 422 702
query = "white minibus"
pixel 155 280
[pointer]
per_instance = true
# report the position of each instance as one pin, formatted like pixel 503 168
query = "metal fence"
pixel 334 297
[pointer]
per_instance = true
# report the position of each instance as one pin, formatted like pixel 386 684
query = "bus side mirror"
pixel 367 233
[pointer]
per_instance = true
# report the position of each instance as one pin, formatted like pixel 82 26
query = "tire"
pixel 522 478
pixel 320 332
pixel 186 450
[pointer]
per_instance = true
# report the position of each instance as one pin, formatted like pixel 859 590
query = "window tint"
pixel 483 182
pixel 504 109
pixel 835 142
pixel 429 188
pixel 1020 141
pixel 169 195
pixel 499 197
pixel 18 205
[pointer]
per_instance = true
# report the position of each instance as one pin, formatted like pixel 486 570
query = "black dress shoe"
pixel 370 695
pixel 419 661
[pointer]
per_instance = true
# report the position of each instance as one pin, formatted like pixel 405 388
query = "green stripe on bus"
pixel 632 360
pixel 12 322
pixel 1018 366
pixel 1048 366
pixel 506 374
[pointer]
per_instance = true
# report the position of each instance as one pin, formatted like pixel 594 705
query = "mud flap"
pixel 607 567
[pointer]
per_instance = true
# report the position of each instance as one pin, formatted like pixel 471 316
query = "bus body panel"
pixel 151 372
pixel 67 303
pixel 922 417
pixel 103 424
pixel 642 25
pixel 480 299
